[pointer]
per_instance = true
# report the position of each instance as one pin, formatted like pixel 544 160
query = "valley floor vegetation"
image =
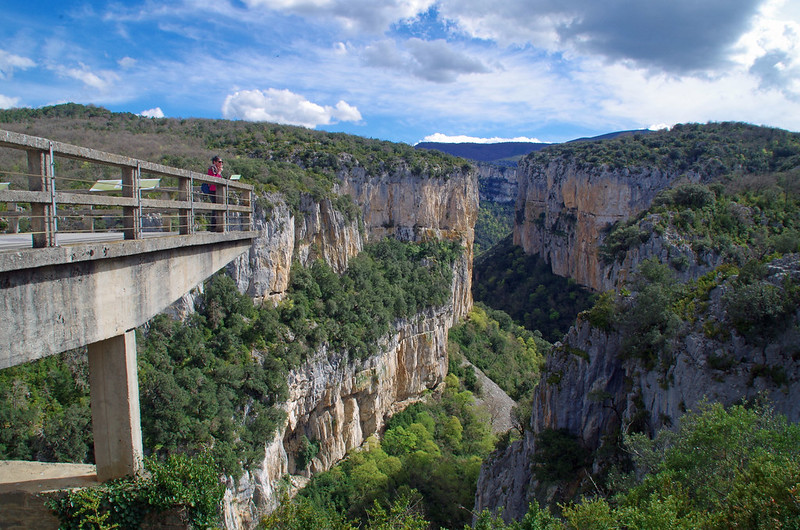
pixel 723 468
pixel 525 287
pixel 736 467
pixel 421 473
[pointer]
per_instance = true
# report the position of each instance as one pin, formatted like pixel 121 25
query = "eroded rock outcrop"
pixel 563 209
pixel 588 389
pixel 497 183
pixel 336 401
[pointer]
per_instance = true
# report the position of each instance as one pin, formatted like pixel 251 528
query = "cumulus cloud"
pixel 9 62
pixel 7 102
pixel 435 60
pixel 462 139
pixel 284 106
pixel 152 113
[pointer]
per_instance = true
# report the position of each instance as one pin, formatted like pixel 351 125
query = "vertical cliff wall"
pixel 497 183
pixel 563 208
pixel 335 401
pixel 590 390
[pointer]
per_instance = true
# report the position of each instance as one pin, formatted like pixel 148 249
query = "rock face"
pixel 589 390
pixel 586 387
pixel 563 208
pixel 333 400
pixel 317 231
pixel 497 183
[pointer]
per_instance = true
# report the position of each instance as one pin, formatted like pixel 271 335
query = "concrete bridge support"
pixel 114 389
pixel 95 294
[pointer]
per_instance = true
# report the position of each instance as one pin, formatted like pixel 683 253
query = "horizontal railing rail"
pixel 47 186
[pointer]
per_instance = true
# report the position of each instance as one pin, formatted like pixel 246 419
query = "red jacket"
pixel 213 172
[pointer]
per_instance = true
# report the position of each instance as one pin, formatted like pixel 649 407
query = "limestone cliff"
pixel 335 401
pixel 563 208
pixel 497 183
pixel 588 389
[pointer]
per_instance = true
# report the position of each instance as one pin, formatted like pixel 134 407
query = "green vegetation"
pixel 495 222
pixel 188 485
pixel 734 468
pixel 711 150
pixel 280 158
pixel 46 415
pixel 389 280
pixel 658 310
pixel 559 455
pixel 426 465
pixel 738 219
pixel 524 287
pixel 197 379
pixel 508 354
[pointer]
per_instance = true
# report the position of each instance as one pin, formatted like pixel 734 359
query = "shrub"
pixel 559 455
pixel 180 481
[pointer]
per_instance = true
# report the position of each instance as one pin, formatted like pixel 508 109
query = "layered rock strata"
pixel 336 401
pixel 590 391
pixel 563 210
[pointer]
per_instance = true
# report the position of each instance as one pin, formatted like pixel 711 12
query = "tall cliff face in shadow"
pixel 335 401
pixel 593 391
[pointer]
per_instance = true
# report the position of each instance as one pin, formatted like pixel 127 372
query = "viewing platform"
pixel 92 246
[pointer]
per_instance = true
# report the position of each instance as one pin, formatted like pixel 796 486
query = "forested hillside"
pixel 290 160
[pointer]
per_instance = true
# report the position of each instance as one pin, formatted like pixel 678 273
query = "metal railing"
pixel 47 186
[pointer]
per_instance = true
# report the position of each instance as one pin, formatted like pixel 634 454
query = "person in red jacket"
pixel 214 170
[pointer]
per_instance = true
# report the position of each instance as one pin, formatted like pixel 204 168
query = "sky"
pixel 414 70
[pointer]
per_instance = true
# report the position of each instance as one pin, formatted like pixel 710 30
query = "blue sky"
pixel 413 70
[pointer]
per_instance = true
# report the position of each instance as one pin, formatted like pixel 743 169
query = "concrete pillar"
pixel 114 390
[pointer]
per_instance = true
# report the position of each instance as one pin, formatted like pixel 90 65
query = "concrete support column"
pixel 114 389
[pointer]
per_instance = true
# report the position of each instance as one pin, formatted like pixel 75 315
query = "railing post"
pixel 219 215
pixel 251 215
pixel 186 216
pixel 41 227
pixel 131 221
pixel 53 217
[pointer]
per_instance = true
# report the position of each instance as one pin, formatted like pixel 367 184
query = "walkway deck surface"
pixel 18 241
pixel 38 477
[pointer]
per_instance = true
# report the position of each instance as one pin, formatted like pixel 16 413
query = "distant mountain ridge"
pixel 485 152
pixel 506 153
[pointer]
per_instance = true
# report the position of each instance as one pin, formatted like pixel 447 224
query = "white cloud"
pixel 101 81
pixel 9 62
pixel 462 139
pixel 152 113
pixel 284 106
pixel 771 49
pixel 363 16
pixel 436 60
pixel 7 102
pixel 127 62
